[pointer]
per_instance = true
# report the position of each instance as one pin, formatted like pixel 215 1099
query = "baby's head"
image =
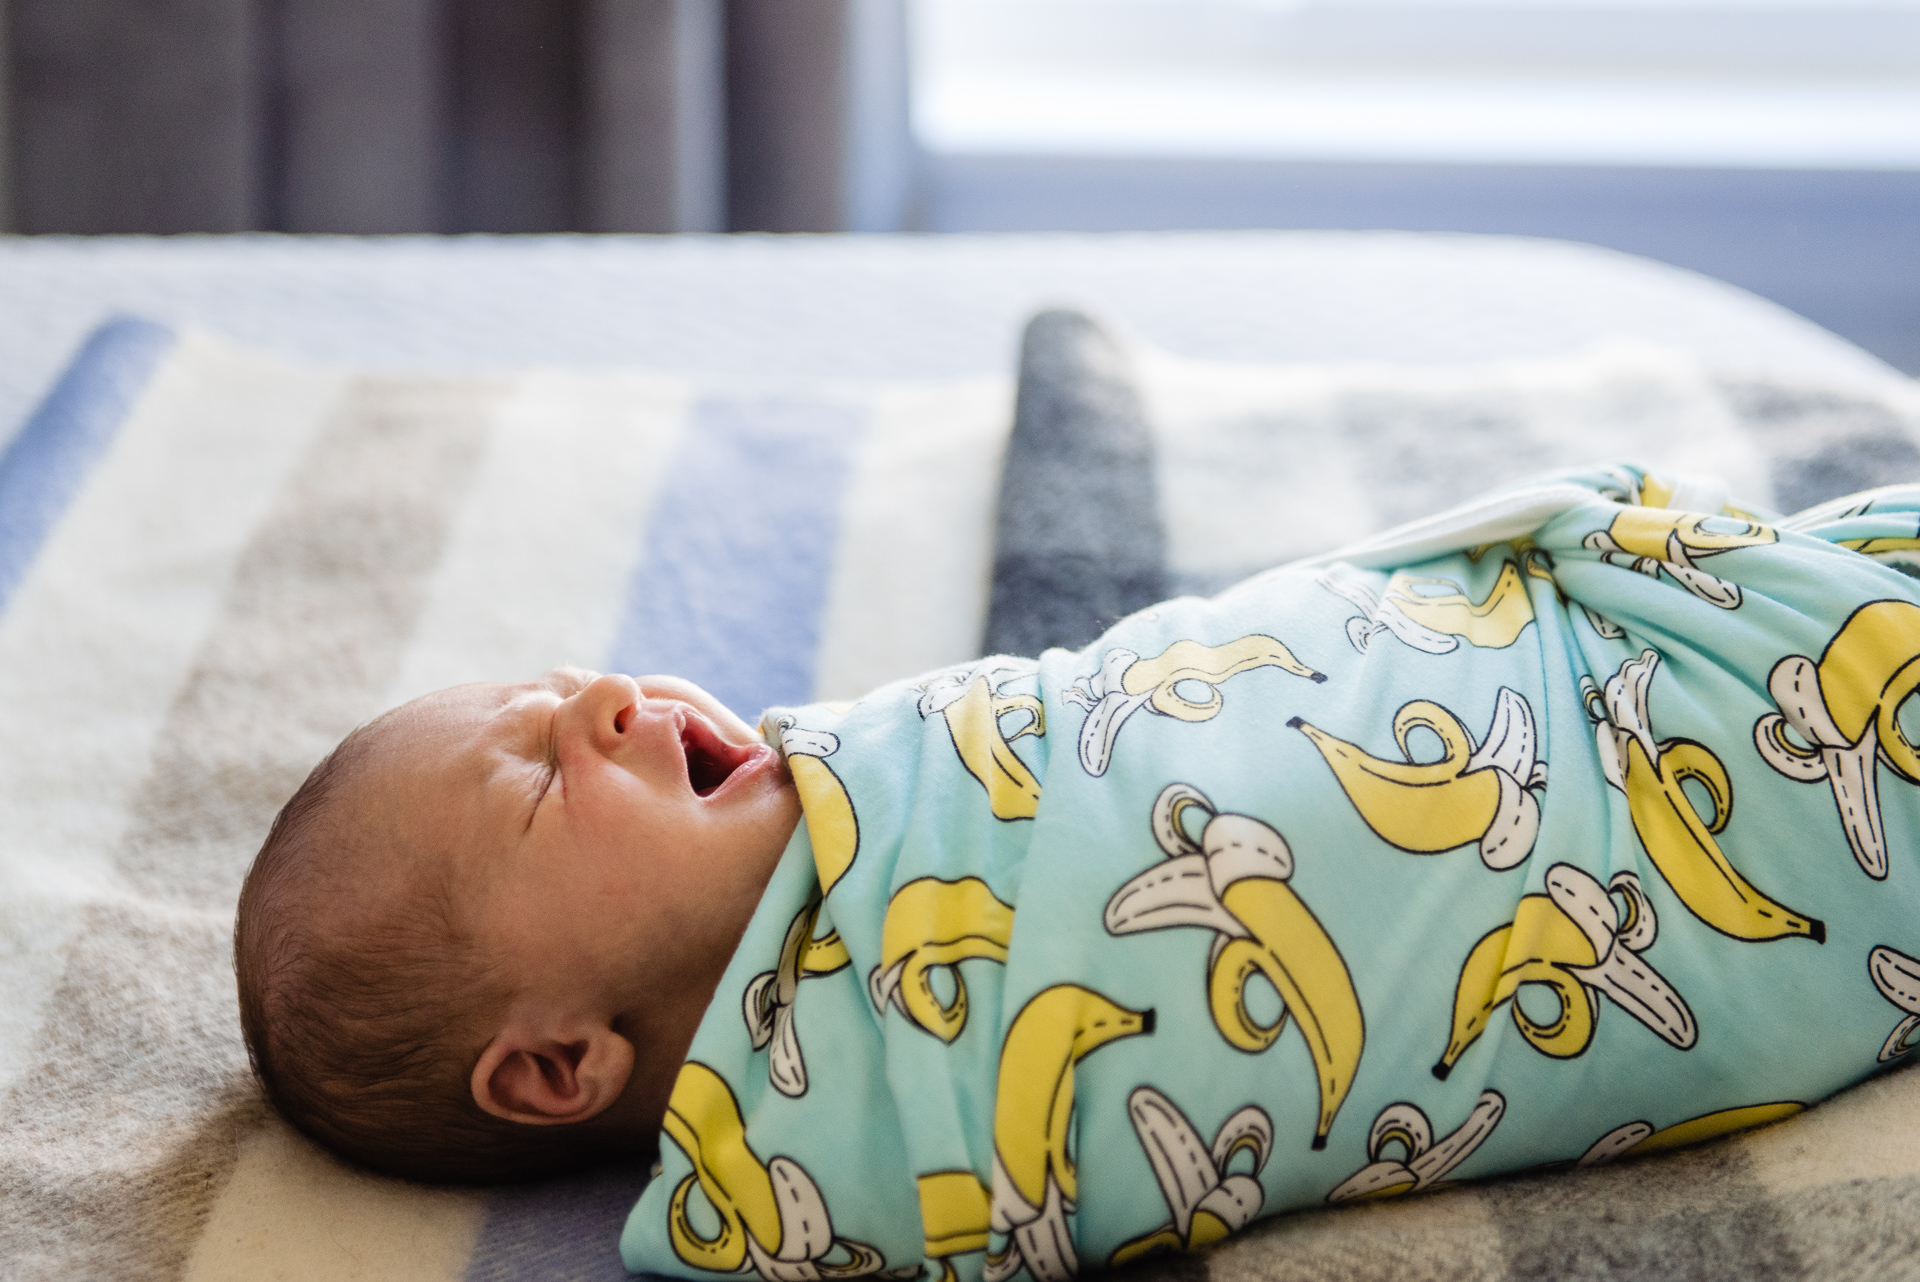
pixel 478 940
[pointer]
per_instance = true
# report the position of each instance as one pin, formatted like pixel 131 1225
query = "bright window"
pixel 1707 82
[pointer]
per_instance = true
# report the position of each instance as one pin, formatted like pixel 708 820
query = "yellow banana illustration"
pixel 1485 794
pixel 1679 842
pixel 1034 1183
pixel 1207 1198
pixel 955 1213
pixel 767 1005
pixel 1433 615
pixel 1637 1139
pixel 1892 506
pixel 1890 536
pixel 1233 881
pixel 1893 549
pixel 1539 564
pixel 1655 539
pixel 771 1214
pixel 1423 1163
pixel 1897 976
pixel 933 925
pixel 972 703
pixel 1126 683
pixel 1439 605
pixel 1901 552
pixel 1574 942
pixel 1845 708
pixel 1648 491
pixel 833 828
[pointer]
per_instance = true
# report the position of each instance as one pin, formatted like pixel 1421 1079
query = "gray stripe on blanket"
pixel 311 633
pixel 1860 1228
pixel 120 1140
pixel 1822 444
pixel 1444 1236
pixel 1079 541
pixel 1699 1213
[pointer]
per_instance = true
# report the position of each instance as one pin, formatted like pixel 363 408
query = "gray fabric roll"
pixel 1079 541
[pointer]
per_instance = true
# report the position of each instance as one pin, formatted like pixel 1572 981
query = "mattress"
pixel 760 308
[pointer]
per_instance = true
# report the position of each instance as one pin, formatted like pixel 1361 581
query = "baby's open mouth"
pixel 711 760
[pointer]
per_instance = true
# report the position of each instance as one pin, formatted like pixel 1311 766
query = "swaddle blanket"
pixel 1585 843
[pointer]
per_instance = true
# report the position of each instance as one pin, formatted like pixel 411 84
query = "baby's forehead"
pixel 428 746
pixel 436 755
pixel 458 724
pixel 458 712
pixel 427 763
pixel 450 711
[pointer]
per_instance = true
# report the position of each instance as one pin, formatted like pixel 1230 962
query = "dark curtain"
pixel 455 115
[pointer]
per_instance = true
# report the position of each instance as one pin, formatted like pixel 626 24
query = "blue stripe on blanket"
pixel 739 551
pixel 43 468
pixel 566 1228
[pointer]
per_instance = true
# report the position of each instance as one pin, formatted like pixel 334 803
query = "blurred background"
pixel 1771 143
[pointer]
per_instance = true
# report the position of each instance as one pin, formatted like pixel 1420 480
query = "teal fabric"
pixel 1341 884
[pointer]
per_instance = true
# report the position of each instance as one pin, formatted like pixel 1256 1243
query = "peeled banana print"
pixel 1423 1162
pixel 1482 794
pixel 1845 710
pixel 772 1215
pixel 767 1004
pixel 1207 1198
pixel 1575 942
pixel 1651 540
pixel 972 704
pixel 833 828
pixel 933 925
pixel 1233 881
pixel 1126 683
pixel 1034 1182
pixel 1637 1139
pixel 1679 842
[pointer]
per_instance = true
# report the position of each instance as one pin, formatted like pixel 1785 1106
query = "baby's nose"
pixel 607 705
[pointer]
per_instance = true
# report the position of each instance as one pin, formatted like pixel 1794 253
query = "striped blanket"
pixel 213 564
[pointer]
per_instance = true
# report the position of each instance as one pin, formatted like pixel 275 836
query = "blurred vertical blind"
pixel 370 116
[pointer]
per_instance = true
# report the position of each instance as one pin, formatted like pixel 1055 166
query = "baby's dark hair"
pixel 365 1039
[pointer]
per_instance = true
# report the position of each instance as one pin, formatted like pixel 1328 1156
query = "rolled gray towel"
pixel 1079 541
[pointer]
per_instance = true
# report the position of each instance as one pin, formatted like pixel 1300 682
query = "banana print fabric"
pixel 1342 884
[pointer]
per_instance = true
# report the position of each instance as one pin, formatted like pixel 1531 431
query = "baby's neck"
pixel 662 1022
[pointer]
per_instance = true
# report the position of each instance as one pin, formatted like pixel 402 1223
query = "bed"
pixel 257 489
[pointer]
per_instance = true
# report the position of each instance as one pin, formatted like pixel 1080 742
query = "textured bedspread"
pixel 212 564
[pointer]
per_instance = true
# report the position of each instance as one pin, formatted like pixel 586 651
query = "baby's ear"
pixel 552 1076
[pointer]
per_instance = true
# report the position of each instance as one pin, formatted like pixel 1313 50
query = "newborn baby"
pixel 1258 902
pixel 478 940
